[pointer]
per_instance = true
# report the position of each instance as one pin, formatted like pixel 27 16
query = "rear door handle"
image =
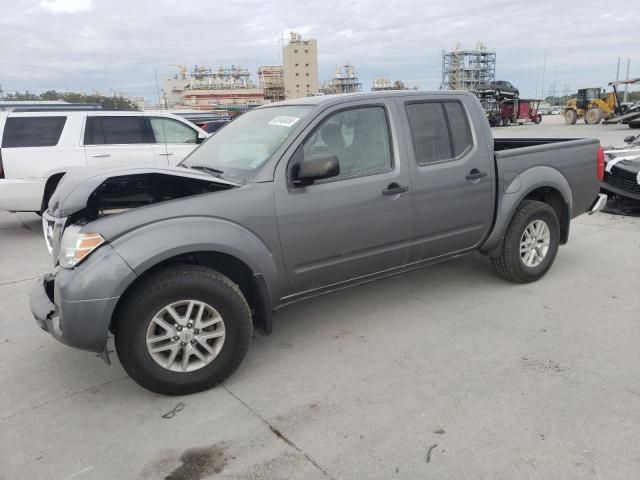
pixel 394 189
pixel 475 174
pixel 101 155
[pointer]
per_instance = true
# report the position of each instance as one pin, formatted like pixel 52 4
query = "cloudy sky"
pixel 116 44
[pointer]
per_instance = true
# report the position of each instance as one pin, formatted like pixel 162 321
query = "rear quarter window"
pixel 32 131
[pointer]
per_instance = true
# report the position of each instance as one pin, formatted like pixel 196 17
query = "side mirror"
pixel 201 137
pixel 317 167
pixel 629 139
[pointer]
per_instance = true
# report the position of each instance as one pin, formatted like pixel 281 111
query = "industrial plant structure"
pixel 224 88
pixel 224 78
pixel 232 89
pixel 271 80
pixel 381 84
pixel 343 81
pixel 464 69
pixel 300 62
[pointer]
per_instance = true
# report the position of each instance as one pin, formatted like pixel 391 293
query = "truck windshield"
pixel 244 145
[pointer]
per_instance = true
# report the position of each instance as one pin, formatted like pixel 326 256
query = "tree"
pixel 108 103
pixel 50 95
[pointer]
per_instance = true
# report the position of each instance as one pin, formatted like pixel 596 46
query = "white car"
pixel 39 147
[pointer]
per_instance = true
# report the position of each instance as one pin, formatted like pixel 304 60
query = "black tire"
pixel 170 285
pixel 507 121
pixel 510 265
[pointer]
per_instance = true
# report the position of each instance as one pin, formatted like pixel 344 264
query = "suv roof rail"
pixel 72 109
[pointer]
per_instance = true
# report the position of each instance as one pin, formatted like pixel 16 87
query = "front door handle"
pixel 101 155
pixel 394 189
pixel 167 153
pixel 475 174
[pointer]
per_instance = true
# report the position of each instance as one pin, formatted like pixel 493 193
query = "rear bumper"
pixel 598 204
pixel 21 195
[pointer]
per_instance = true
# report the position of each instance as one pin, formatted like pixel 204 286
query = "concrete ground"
pixel 443 373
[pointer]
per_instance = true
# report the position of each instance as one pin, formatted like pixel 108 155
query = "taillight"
pixel 1 166
pixel 600 164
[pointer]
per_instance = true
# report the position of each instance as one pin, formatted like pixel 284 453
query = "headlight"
pixel 76 246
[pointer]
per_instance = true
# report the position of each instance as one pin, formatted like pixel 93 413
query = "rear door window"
pixel 459 127
pixel 439 130
pixel 32 131
pixel 117 130
pixel 429 132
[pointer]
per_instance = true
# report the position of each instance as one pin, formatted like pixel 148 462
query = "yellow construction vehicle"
pixel 594 105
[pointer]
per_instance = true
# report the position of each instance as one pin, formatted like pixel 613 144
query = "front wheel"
pixel 570 117
pixel 183 330
pixel 530 245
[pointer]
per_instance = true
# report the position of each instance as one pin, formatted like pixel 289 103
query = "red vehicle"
pixel 521 110
pixel 504 113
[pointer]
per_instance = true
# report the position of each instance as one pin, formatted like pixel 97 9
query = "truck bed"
pixel 574 159
pixel 501 144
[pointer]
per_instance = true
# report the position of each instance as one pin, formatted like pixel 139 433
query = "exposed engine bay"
pixel 121 193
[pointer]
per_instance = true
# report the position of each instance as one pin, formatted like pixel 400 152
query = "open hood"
pixel 103 191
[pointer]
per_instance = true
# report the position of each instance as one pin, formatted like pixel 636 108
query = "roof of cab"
pixel 326 100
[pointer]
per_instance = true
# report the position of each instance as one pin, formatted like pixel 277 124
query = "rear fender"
pixel 514 188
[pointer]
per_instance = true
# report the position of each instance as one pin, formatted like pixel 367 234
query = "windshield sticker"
pixel 283 121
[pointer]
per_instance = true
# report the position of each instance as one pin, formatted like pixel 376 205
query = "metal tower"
pixel 464 69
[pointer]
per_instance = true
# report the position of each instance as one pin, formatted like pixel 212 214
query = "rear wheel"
pixel 593 116
pixel 507 122
pixel 570 117
pixel 183 330
pixel 530 245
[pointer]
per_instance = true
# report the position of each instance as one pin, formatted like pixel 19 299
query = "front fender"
pixel 514 188
pixel 147 246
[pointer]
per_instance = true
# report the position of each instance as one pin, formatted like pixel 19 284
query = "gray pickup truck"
pixel 292 200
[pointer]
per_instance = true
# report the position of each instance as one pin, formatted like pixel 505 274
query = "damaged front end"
pixel 122 193
pixel 75 302
pixel 86 195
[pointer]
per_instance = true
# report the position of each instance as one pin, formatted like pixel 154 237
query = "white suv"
pixel 39 147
